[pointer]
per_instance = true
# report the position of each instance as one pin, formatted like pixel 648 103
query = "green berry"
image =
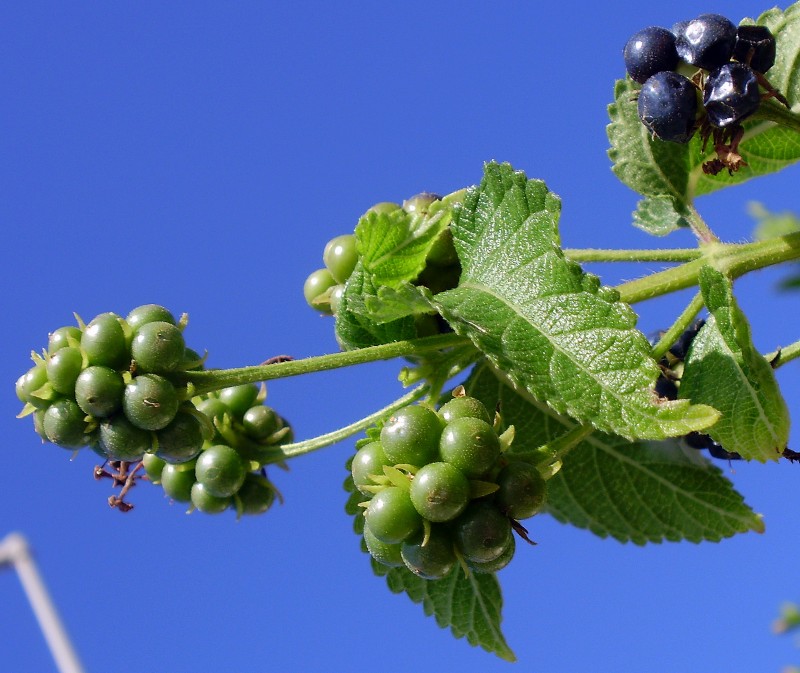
pixel 104 342
pixel 411 436
pixel 497 564
pixel 181 440
pixel 384 207
pixel 148 313
pixel 65 424
pixel 464 407
pixel 471 445
pixel 420 203
pixel 158 347
pixel 256 494
pixel 153 465
pixel 522 490
pixel 391 515
pixel 150 402
pixel 221 470
pixel 369 460
pixel 62 337
pixel 177 483
pixel 30 387
pixel 431 559
pixel 99 391
pixel 122 440
pixel 439 491
pixel 316 285
pixel 63 368
pixel 206 502
pixel 482 532
pixel 239 399
pixel 383 552
pixel 340 257
pixel 260 422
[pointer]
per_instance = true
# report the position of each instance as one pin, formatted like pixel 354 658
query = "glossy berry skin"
pixel 522 491
pixel 464 407
pixel 181 440
pixel 122 440
pixel 482 532
pixel 63 424
pixel 153 465
pixel 99 391
pixel 147 313
pixel 29 383
pixel 649 51
pixel 420 203
pixel 432 560
pixel 471 445
pixel 150 402
pixel 63 368
pixel 316 285
pixel 340 257
pixel 157 347
pixel 260 422
pixel 440 492
pixel 755 46
pixel 256 494
pixel 384 553
pixel 239 399
pixel 391 515
pixel 63 336
pixel 706 41
pixel 369 460
pixel 205 501
pixel 104 342
pixel 668 106
pixel 411 436
pixel 221 470
pixel 731 94
pixel 497 564
pixel 177 482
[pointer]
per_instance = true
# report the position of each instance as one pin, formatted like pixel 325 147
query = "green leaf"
pixel 548 325
pixel 652 167
pixel 393 246
pixel 660 215
pixel 772 225
pixel 633 491
pixel 355 328
pixel 724 369
pixel 470 604
pixel 392 303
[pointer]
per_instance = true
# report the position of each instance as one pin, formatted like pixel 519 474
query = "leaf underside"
pixel 724 369
pixel 549 326
pixel 641 492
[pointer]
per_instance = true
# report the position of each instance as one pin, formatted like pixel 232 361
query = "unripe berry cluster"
pixel 226 474
pixel 110 385
pixel 324 287
pixel 440 490
pixel 726 65
pixel 106 385
pixel 669 381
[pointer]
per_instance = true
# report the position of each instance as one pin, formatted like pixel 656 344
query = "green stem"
pixel 209 380
pixel 773 111
pixel 783 355
pixel 307 446
pixel 734 260
pixel 678 327
pixel 700 228
pixel 548 457
pixel 665 255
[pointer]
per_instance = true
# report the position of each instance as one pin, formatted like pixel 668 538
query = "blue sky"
pixel 199 155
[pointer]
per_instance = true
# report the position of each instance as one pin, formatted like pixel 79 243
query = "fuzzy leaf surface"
pixel 724 369
pixel 355 328
pixel 656 168
pixel 659 215
pixel 545 323
pixel 632 491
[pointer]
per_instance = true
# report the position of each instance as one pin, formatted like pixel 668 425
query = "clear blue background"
pixel 199 155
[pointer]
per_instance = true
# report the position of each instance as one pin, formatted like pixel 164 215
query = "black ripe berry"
pixel 706 41
pixel 755 46
pixel 668 106
pixel 731 94
pixel 649 51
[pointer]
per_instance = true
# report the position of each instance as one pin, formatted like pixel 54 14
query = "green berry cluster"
pixel 324 287
pixel 440 490
pixel 114 385
pixel 106 385
pixel 227 473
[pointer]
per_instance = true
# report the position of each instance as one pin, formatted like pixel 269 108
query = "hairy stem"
pixel 734 260
pixel 209 380
pixel 783 355
pixel 678 327
pixel 665 255
pixel 307 446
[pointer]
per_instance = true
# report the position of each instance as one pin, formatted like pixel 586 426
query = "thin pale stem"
pixel 783 355
pixel 307 446
pixel 678 327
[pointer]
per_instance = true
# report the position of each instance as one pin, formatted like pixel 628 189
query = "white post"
pixel 14 550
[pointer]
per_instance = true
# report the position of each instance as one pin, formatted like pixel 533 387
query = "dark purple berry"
pixel 668 106
pixel 666 388
pixel 706 41
pixel 681 347
pixel 649 51
pixel 755 46
pixel 731 94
